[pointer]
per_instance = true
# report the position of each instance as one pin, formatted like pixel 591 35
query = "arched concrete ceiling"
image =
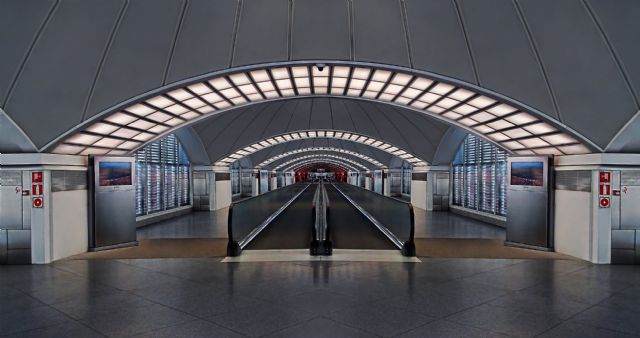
pixel 228 132
pixel 577 61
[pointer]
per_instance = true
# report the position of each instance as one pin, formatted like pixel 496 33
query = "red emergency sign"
pixel 37 202
pixel 36 190
pixel 36 177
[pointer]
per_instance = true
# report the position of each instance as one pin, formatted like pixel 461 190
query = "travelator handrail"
pixel 236 245
pixel 320 242
pixel 401 234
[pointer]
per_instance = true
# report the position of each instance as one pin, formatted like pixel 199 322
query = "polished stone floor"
pixel 207 298
pixel 427 225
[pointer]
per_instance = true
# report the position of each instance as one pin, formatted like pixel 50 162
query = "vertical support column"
pixel 50 220
pixel 599 226
pixel 419 187
pixel 255 188
pixel 368 182
pixel 222 188
pixel 386 182
pixel 274 180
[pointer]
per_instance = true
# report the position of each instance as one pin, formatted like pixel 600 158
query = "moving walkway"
pixel 321 217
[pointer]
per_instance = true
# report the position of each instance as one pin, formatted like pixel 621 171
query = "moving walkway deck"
pixel 350 229
pixel 292 228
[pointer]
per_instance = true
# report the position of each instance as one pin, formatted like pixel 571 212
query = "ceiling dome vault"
pixel 410 73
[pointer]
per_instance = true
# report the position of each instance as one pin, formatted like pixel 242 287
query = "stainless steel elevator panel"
pixel 630 207
pixel 3 246
pixel 10 200
pixel 18 239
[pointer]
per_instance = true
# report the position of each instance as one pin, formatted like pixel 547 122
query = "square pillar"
pixel 368 182
pixel 274 180
pixel 598 226
pixel 386 182
pixel 211 188
pixel 51 224
pixel 255 188
pixel 419 188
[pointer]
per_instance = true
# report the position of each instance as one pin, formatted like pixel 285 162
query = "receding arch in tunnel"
pixel 509 124
pixel 312 162
pixel 283 156
pixel 321 134
pixel 353 165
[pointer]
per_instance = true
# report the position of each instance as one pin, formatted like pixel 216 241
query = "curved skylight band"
pixel 321 149
pixel 130 127
pixel 343 165
pixel 332 134
pixel 351 162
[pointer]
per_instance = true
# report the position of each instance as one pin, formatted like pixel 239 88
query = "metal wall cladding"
pixel 625 246
pixel 66 180
pixel 630 178
pixel 630 207
pixel 3 246
pixel 573 180
pixel 10 200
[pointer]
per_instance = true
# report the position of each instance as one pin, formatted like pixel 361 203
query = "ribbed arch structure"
pixel 511 125
pixel 331 134
pixel 354 164
pixel 320 149
pixel 304 163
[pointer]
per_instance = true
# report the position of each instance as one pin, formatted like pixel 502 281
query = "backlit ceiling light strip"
pixel 320 149
pixel 301 164
pixel 132 126
pixel 332 134
pixel 321 157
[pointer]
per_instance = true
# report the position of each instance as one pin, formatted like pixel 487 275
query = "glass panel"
pixel 163 176
pixel 479 176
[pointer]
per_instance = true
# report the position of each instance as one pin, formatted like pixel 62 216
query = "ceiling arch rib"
pixel 500 120
pixel 321 149
pixel 354 164
pixel 331 134
pixel 303 163
pixel 315 164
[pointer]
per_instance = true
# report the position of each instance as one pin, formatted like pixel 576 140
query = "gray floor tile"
pixel 198 328
pixel 572 287
pixel 444 299
pixel 627 300
pixel 320 302
pixel 16 301
pixel 446 329
pixel 572 329
pixel 520 301
pixel 320 328
pixel 261 320
pixel 66 330
pixel 612 319
pixel 506 321
pixel 30 319
pixel 380 319
pixel 136 320
pixel 83 307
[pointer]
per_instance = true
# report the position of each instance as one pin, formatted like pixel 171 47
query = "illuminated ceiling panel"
pixel 332 134
pixel 129 127
pixel 286 166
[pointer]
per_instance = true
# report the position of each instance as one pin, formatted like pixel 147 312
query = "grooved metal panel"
pixel 378 32
pixel 504 57
pixel 630 207
pixel 573 180
pixel 263 32
pixel 437 39
pixel 320 30
pixel 320 115
pixel 19 24
pixel 205 39
pixel 569 42
pixel 3 246
pixel 619 20
pixel 629 177
pixel 61 69
pixel 10 178
pixel 11 200
pixel 67 180
pixel 139 54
